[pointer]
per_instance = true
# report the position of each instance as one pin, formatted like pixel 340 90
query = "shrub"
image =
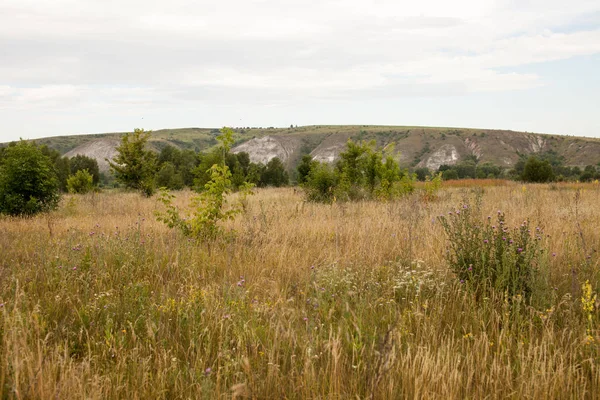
pixel 209 207
pixel 134 166
pixel 492 256
pixel 28 181
pixel 362 172
pixel 537 170
pixel 81 162
pixel 82 182
pixel 320 183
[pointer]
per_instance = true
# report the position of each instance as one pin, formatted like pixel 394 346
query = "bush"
pixel 209 207
pixel 320 183
pixel 537 170
pixel 81 162
pixel 362 172
pixel 28 181
pixel 82 182
pixel 491 256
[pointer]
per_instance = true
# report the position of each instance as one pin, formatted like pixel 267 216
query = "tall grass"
pixel 355 300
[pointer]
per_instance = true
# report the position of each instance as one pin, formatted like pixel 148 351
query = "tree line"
pixel 32 177
pixel 540 168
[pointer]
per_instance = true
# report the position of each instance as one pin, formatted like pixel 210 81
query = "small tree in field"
pixel 134 167
pixel 537 170
pixel 28 182
pixel 82 182
pixel 209 206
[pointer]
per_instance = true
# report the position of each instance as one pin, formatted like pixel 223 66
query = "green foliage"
pixel 134 167
pixel 202 171
pixel 28 180
pixel 210 206
pixel 422 174
pixel 320 183
pixel 491 256
pixel 82 182
pixel 304 168
pixel 449 174
pixel 81 162
pixel 274 174
pixel 61 166
pixel 168 177
pixel 536 170
pixel 362 172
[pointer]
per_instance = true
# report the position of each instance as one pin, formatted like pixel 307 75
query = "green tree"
pixel 169 178
pixel 134 167
pixel 81 162
pixel 537 170
pixel 422 173
pixel 82 182
pixel 210 206
pixel 28 181
pixel 320 183
pixel 61 166
pixel 274 174
pixel 304 168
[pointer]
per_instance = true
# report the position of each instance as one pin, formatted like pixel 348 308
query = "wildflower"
pixel 305 319
pixel 485 241
pixel 207 371
pixel 553 254
pixel 519 250
pixel 504 239
pixel 511 241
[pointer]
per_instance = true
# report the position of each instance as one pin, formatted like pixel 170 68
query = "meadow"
pixel 98 300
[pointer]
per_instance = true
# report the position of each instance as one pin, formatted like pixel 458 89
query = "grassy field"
pixel 101 301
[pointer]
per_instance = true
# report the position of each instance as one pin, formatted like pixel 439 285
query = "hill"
pixel 413 146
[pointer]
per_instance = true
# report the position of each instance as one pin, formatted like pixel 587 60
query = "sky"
pixel 90 66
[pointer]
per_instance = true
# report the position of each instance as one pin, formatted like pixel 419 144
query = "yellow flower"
pixel 588 299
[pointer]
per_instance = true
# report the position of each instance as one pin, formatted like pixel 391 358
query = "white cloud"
pixel 108 52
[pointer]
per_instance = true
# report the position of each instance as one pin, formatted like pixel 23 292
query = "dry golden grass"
pixel 101 301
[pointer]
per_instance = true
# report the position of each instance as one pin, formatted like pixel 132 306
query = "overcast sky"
pixel 87 66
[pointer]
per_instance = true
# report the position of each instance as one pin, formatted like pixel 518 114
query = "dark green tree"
pixel 81 162
pixel 61 165
pixel 274 174
pixel 422 173
pixel 28 181
pixel 536 170
pixel 304 168
pixel 134 166
pixel 168 177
